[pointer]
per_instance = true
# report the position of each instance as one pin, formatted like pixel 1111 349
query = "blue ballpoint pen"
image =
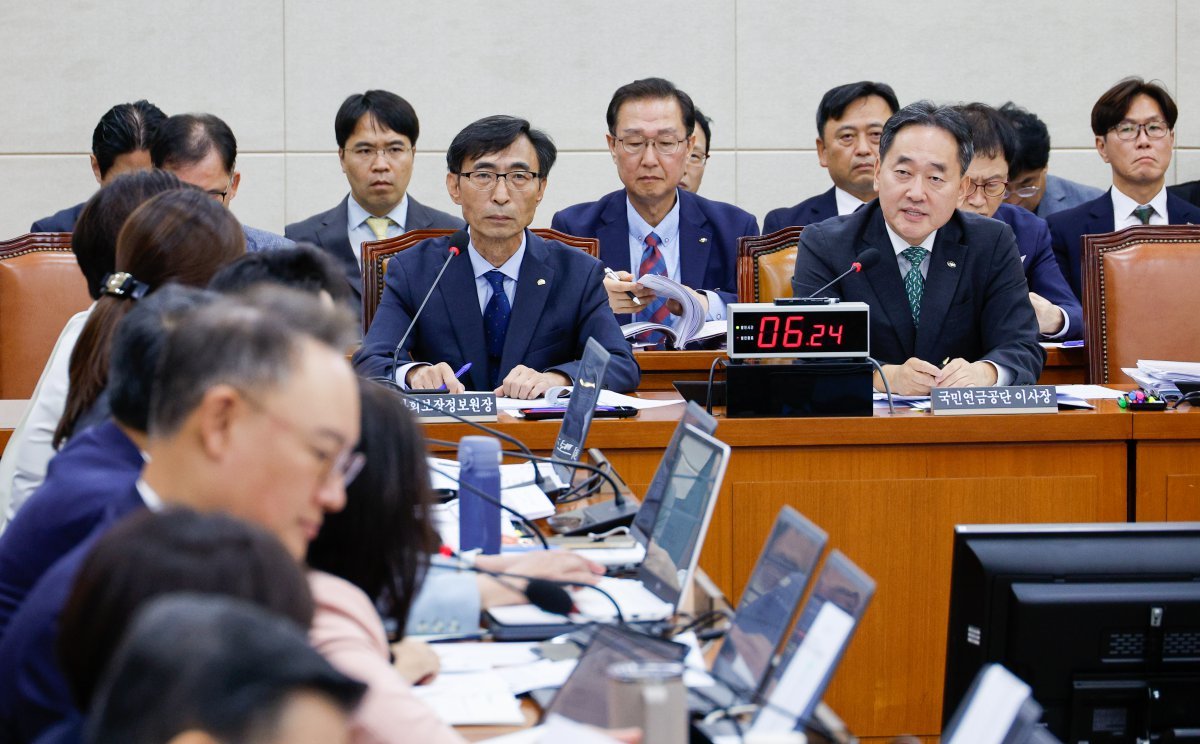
pixel 461 371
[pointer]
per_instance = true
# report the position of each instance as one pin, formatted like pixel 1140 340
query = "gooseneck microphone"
pixel 866 260
pixel 458 242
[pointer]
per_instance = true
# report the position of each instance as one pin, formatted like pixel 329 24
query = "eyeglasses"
pixel 347 464
pixel 697 158
pixel 391 153
pixel 991 189
pixel 664 146
pixel 220 195
pixel 519 180
pixel 1024 192
pixel 1128 130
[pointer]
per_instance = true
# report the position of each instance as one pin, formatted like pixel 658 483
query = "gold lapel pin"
pixel 951 264
pixel 541 282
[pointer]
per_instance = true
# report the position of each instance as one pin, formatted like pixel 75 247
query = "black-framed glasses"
pixel 220 195
pixel 697 158
pixel 346 464
pixel 1024 192
pixel 662 145
pixel 518 180
pixel 391 153
pixel 991 189
pixel 1128 130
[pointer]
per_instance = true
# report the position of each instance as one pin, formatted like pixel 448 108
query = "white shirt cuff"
pixel 402 373
pixel 1066 324
pixel 1004 375
pixel 716 305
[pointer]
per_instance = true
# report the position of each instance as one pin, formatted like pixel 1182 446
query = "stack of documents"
pixel 518 492
pixel 1163 378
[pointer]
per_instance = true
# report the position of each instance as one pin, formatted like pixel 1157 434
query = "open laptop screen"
pixel 580 407
pixel 643 521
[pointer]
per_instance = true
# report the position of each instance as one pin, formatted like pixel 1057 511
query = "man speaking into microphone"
pixel 949 301
pixel 516 308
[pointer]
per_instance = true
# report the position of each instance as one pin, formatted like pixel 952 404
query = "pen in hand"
pixel 613 275
pixel 458 375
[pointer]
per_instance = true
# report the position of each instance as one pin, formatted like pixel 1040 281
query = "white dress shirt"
pixel 667 231
pixel 1123 208
pixel 359 232
pixel 847 203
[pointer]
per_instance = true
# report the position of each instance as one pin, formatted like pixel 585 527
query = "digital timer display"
pixel 761 330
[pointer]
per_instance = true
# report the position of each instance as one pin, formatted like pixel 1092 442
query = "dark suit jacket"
pixel 327 230
pixel 96 466
pixel 1068 227
pixel 1189 192
pixel 560 302
pixel 61 221
pixel 708 235
pixel 1041 270
pixel 977 309
pixel 33 693
pixel 808 212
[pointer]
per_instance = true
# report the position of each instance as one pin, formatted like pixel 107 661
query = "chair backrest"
pixel 1140 286
pixel 41 287
pixel 377 253
pixel 765 265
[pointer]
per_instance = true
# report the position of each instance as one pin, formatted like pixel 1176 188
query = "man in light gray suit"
pixel 1029 185
pixel 377 136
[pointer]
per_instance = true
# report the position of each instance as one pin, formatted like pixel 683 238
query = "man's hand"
pixel 559 565
pixel 914 377
pixel 677 309
pixel 1050 318
pixel 433 376
pixel 525 383
pixel 415 661
pixel 619 301
pixel 961 373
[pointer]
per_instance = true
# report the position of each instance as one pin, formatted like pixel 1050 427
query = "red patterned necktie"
pixel 653 263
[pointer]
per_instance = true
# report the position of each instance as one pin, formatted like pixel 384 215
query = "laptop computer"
pixel 672 551
pixel 580 407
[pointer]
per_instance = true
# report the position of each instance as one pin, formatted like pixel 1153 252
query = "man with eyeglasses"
pixel 515 308
pixel 1134 123
pixel 850 119
pixel 1031 185
pixel 697 159
pixel 200 149
pixel 653 226
pixel 376 136
pixel 1059 314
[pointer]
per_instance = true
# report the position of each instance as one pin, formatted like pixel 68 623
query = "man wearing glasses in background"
pixel 1030 185
pixel 200 149
pixel 1134 123
pixel 697 159
pixel 652 226
pixel 376 136
pixel 1059 314
pixel 515 308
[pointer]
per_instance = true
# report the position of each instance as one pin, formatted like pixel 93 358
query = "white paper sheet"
pixel 539 674
pixel 518 492
pixel 479 657
pixel 1088 391
pixel 555 731
pixel 607 398
pixel 474 699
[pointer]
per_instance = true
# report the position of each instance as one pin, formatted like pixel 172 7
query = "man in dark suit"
pixel 949 304
pixel 1134 125
pixel 849 121
pixel 519 309
pixel 377 138
pixel 1030 185
pixel 120 144
pixel 1059 314
pixel 652 226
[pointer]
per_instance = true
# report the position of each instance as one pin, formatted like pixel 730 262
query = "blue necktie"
pixel 495 324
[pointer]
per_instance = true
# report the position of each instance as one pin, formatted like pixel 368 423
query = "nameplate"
pixel 1009 399
pixel 438 407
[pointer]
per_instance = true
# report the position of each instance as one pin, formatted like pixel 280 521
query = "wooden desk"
pixel 1167 457
pixel 889 490
pixel 662 368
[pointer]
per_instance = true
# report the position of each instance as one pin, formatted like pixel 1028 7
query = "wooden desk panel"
pixel 1168 464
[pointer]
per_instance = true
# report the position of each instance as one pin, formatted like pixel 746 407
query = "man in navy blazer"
pixel 376 136
pixel 949 303
pixel 1030 185
pixel 849 121
pixel 650 125
pixel 1060 316
pixel 1134 125
pixel 519 309
pixel 120 144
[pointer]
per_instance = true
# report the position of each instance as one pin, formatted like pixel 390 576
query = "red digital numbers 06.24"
pixel 794 333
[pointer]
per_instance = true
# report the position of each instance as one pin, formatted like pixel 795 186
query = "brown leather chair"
pixel 41 287
pixel 377 253
pixel 765 265
pixel 1139 299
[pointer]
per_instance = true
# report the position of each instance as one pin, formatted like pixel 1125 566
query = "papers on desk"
pixel 456 658
pixel 472 699
pixel 1163 378
pixel 518 490
pixel 607 398
pixel 555 730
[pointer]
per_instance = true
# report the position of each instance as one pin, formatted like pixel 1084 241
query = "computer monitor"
pixel 1102 621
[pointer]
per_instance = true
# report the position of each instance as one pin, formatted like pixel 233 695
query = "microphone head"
pixel 458 241
pixel 868 258
pixel 549 597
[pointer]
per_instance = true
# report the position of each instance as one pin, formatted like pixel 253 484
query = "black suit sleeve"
pixel 812 268
pixel 1007 324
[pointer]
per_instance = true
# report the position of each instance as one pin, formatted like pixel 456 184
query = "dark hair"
pixel 150 554
pixel 178 236
pixel 94 241
pixel 704 123
pixel 186 139
pixel 137 345
pixel 1033 140
pixel 650 88
pixel 304 267
pixel 1111 107
pixel 493 134
pixel 928 114
pixel 124 128
pixel 387 108
pixel 836 100
pixel 218 665
pixel 249 342
pixel 991 134
pixel 382 540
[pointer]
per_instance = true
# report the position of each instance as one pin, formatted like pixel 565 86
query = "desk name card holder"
pixel 996 399
pixel 437 407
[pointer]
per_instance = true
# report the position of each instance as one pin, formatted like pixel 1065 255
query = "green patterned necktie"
pixel 1143 213
pixel 914 283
